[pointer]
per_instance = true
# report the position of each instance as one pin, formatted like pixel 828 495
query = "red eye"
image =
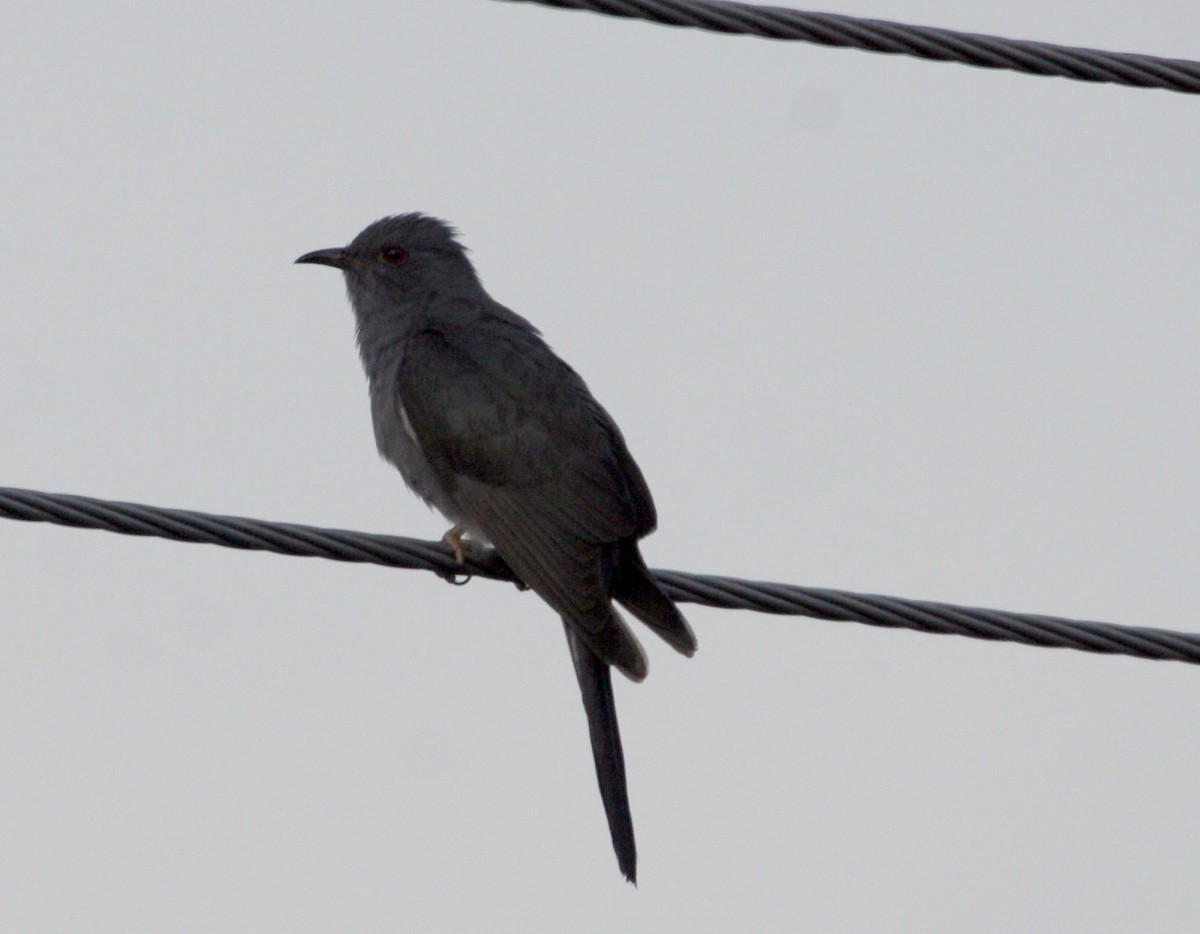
pixel 393 255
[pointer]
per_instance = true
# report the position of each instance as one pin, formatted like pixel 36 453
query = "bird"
pixel 489 426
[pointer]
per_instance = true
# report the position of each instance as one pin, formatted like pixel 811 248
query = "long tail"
pixel 595 685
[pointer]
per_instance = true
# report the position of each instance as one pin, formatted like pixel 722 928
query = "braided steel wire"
pixel 727 592
pixel 872 35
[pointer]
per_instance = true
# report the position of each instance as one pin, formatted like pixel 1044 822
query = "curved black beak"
pixel 337 257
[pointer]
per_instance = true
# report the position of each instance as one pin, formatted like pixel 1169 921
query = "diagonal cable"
pixel 727 592
pixel 872 35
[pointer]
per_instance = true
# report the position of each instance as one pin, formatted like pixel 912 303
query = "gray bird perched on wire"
pixel 488 425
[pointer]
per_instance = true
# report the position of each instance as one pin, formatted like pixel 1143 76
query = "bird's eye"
pixel 393 255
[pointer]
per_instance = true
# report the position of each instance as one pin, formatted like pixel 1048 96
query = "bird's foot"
pixel 488 559
pixel 454 538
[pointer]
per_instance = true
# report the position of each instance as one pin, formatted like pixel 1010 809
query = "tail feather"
pixel 635 588
pixel 616 645
pixel 595 686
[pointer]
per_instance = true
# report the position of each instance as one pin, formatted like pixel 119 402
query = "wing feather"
pixel 535 464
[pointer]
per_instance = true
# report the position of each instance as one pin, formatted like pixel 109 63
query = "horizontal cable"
pixel 873 35
pixel 727 592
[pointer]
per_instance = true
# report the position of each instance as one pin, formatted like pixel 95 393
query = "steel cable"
pixel 947 45
pixel 726 592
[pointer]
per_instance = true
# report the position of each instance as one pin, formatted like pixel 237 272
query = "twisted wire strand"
pixel 872 35
pixel 726 592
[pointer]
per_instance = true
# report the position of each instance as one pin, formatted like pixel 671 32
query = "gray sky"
pixel 867 322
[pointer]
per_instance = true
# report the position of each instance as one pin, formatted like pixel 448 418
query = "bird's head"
pixel 400 259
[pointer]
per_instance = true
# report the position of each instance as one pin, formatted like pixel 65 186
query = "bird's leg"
pixel 454 538
pixel 460 540
pixel 465 545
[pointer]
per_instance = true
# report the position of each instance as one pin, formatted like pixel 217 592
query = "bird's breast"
pixel 398 444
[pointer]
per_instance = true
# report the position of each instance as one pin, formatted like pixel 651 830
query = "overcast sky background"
pixel 867 322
